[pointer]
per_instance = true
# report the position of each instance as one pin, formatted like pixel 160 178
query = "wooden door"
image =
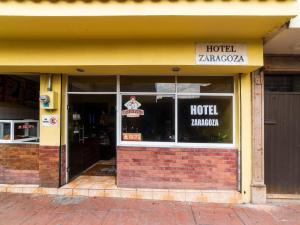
pixel 282 142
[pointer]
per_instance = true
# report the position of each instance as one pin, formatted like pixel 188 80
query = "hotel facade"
pixel 141 99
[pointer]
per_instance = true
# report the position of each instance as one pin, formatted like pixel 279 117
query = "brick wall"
pixel 63 165
pixel 19 163
pixel 139 167
pixel 49 166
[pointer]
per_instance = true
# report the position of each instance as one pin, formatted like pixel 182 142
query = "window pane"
pixel 147 84
pixel 282 83
pixel 25 130
pixel 92 83
pixel 199 84
pixel 205 119
pixel 4 131
pixel 148 118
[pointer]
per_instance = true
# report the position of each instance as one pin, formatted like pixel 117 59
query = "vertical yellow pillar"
pixel 246 136
pixel 50 136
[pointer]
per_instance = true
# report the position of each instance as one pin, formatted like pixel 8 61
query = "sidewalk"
pixel 61 210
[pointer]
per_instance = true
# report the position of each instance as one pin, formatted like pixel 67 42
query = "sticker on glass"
pixel 132 108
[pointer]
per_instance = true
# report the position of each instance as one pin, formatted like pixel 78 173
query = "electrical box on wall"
pixel 48 100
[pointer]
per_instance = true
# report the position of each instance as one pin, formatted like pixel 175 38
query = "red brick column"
pixel 190 168
pixel 49 166
pixel 63 179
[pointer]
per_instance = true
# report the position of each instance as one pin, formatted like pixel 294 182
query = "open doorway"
pixel 92 135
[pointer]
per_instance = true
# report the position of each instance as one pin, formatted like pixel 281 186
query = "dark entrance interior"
pixel 92 135
pixel 282 134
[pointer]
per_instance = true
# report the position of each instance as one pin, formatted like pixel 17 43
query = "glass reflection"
pixel 92 83
pixel 148 118
pixel 191 88
pixel 158 84
pixel 200 84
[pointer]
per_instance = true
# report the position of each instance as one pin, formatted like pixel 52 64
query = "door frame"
pixel 67 93
pixel 119 95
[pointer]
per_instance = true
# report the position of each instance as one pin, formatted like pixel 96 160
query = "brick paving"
pixel 29 209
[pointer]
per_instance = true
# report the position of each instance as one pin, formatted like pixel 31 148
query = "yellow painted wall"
pixel 246 136
pixel 115 57
pixel 179 7
pixel 146 19
pixel 50 136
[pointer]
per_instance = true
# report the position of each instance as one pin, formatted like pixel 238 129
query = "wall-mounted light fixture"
pixel 80 70
pixel 175 69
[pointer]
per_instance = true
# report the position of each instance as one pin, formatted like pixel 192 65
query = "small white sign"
pixel 50 121
pixel 221 54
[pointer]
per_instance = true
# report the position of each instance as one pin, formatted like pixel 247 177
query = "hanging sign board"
pixel 50 121
pixel 221 54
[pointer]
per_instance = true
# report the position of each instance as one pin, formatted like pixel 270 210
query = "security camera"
pixel 44 99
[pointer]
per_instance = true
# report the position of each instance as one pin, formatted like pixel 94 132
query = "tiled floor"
pixel 100 175
pixel 92 182
pixel 28 209
pixel 105 186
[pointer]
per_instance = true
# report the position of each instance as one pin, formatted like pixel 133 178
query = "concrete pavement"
pixel 29 209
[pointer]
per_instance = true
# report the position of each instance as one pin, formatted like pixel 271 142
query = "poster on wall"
pixel 50 121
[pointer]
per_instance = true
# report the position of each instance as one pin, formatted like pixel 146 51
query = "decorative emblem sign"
pixel 132 108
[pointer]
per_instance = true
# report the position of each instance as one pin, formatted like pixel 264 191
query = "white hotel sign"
pixel 221 54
